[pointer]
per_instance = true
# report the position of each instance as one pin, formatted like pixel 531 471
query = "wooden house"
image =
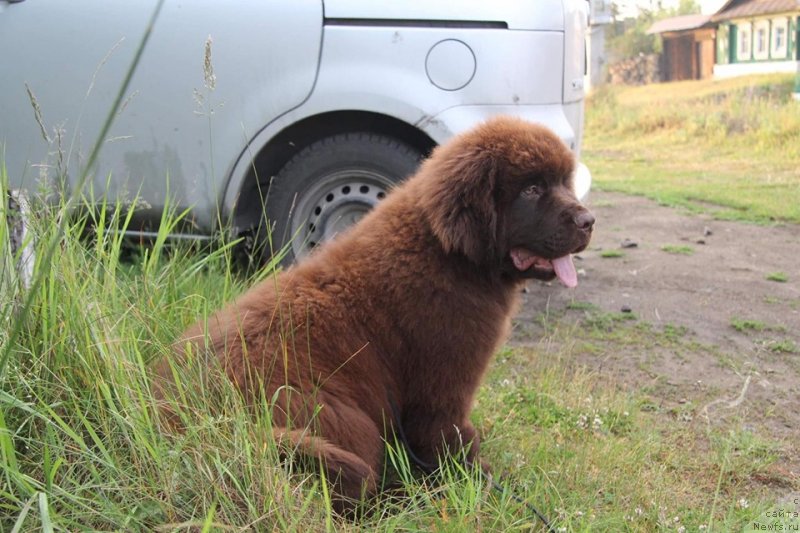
pixel 757 36
pixel 688 47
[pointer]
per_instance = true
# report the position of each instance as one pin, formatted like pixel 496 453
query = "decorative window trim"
pixel 744 37
pixel 761 41
pixel 780 38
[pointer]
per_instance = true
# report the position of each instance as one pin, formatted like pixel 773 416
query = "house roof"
pixel 747 8
pixel 682 23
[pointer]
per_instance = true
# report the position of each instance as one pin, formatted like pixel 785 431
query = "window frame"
pixel 779 51
pixel 744 41
pixel 761 39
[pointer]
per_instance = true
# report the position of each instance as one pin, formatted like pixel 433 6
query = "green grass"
pixel 611 254
pixel 81 447
pixel 780 277
pixel 744 325
pixel 730 148
pixel 782 346
pixel 578 305
pixel 678 249
pixel 778 346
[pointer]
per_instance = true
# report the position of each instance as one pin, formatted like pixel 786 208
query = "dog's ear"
pixel 459 201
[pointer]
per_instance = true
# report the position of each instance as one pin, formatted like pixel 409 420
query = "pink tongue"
pixel 565 271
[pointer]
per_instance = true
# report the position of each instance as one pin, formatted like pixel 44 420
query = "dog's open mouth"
pixel 542 268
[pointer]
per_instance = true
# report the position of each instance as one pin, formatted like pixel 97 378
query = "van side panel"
pixel 179 132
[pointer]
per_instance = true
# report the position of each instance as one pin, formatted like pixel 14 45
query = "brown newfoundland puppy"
pixel 394 322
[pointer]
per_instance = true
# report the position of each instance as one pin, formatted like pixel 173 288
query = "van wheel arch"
pixel 255 191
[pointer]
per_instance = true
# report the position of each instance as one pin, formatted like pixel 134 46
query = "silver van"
pixel 302 113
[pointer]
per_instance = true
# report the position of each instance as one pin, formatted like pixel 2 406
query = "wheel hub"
pixel 335 203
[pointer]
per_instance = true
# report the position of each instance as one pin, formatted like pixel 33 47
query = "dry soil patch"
pixel 707 280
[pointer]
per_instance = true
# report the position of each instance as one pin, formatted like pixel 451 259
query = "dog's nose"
pixel 584 220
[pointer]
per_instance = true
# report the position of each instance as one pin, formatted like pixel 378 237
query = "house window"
pixel 743 37
pixel 761 40
pixel 780 31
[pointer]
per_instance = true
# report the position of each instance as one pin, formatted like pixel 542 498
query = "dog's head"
pixel 502 196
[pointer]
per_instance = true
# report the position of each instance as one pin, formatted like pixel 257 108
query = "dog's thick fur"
pixel 395 321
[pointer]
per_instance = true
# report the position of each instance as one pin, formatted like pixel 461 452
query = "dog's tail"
pixel 351 478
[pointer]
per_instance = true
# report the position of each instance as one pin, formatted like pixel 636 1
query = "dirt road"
pixel 732 353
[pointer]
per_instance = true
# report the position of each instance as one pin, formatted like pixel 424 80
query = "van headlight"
pixel 582 182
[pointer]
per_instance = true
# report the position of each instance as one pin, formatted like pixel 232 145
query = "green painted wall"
pixel 723 38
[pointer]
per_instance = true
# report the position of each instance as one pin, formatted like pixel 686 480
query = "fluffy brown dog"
pixel 395 321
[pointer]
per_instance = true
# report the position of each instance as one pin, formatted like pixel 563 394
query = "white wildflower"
pixel 743 503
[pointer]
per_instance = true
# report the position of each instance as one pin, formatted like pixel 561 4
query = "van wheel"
pixel 329 186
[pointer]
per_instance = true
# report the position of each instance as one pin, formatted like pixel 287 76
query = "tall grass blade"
pixel 51 246
pixel 23 514
pixel 44 513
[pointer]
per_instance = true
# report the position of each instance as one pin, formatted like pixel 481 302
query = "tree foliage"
pixel 628 37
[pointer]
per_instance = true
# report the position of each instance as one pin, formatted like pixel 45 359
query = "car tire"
pixel 330 185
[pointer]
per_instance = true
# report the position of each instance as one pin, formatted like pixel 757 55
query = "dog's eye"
pixel 532 192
